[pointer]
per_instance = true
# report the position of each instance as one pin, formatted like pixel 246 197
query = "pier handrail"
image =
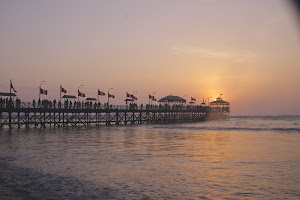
pixel 98 106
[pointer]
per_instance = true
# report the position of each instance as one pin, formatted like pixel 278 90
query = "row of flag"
pixel 110 95
pixel 100 93
pixel 80 94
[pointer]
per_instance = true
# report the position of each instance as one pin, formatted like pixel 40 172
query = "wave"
pixel 229 129
pixel 25 183
pixel 275 117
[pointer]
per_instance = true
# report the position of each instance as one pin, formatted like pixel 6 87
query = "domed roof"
pixel 171 98
pixel 69 96
pixel 219 101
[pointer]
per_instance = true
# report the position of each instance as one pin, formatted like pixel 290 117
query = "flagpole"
pixel 98 95
pixel 133 96
pixel 78 92
pixel 60 93
pixel 10 90
pixel 151 97
pixel 108 96
pixel 43 82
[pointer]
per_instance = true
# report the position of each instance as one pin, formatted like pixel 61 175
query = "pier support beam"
pixel 19 120
pixel 10 117
pixel 9 120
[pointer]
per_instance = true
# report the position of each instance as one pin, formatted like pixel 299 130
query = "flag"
pixel 152 97
pixel 101 93
pixel 63 90
pixel 131 96
pixel 45 92
pixel 12 87
pixel 81 94
pixel 111 95
pixel 193 99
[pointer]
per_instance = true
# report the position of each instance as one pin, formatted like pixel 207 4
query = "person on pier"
pixel 66 104
pixel 54 103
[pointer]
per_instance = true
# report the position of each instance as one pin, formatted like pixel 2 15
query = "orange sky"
pixel 247 50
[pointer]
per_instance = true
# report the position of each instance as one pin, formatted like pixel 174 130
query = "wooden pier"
pixel 12 117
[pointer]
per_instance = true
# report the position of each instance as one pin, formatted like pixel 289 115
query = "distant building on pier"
pixel 172 100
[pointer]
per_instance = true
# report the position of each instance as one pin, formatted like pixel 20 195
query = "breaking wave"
pixel 228 128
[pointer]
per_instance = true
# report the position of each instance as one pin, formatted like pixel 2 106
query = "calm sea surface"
pixel 241 158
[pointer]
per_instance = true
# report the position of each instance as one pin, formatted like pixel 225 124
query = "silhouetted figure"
pixel 66 104
pixel 33 103
pixel 18 103
pixel 1 103
pixel 10 103
pixel 54 103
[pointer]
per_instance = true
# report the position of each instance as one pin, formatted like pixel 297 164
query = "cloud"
pixel 213 54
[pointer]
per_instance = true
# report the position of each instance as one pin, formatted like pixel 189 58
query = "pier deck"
pixel 12 117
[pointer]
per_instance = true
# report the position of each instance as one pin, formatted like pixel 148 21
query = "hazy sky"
pixel 249 50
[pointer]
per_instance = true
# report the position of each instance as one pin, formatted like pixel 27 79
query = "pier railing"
pixel 45 114
pixel 83 106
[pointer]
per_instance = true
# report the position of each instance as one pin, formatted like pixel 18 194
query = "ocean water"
pixel 239 158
